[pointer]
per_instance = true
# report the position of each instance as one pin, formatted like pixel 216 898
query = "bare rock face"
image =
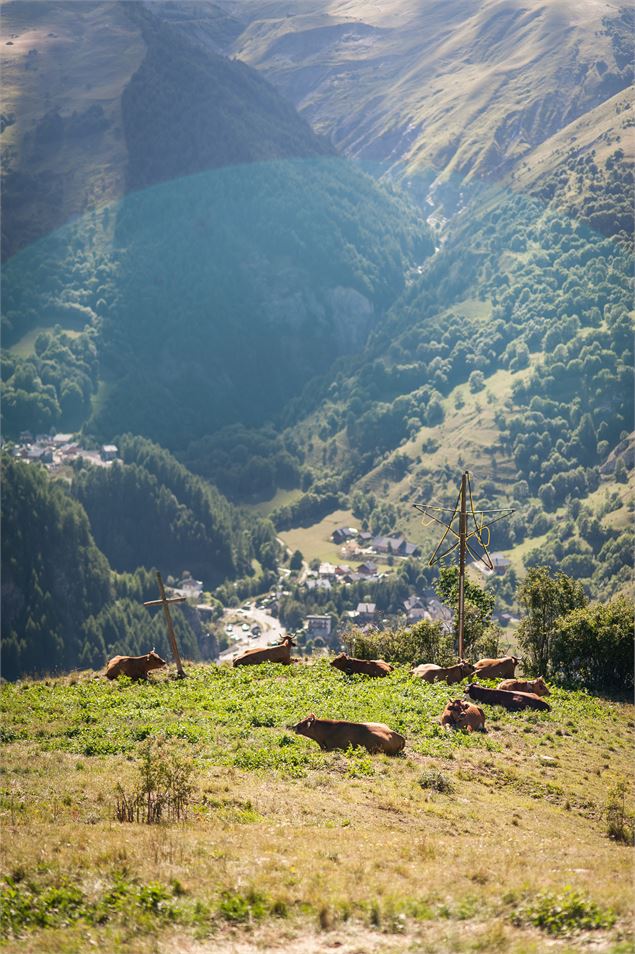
pixel 353 316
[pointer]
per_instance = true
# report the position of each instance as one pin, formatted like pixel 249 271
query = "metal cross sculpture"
pixel 478 533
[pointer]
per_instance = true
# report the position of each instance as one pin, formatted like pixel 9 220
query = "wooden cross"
pixel 164 602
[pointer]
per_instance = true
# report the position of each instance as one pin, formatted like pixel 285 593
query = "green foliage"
pixel 544 599
pixel 425 642
pixel 233 717
pixel 54 577
pixel 480 638
pixel 150 511
pixel 592 646
pixel 620 824
pixel 53 387
pixel 163 790
pixel 436 781
pixel 31 906
pixel 566 913
pixel 296 560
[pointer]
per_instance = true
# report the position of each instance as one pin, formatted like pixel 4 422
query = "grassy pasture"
pixel 466 843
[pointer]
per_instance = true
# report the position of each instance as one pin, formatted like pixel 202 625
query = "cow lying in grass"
pixel 277 654
pixel 135 667
pixel 463 715
pixel 366 667
pixel 514 701
pixel 535 686
pixel 450 674
pixel 333 734
pixel 503 668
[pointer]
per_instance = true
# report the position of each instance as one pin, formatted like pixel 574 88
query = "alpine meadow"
pixel 317 455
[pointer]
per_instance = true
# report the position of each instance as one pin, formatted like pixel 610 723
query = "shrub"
pixel 564 913
pixel 163 790
pixel 620 825
pixel 424 642
pixel 592 646
pixel 436 781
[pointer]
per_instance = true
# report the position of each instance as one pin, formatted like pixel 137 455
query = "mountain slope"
pixel 441 88
pixel 243 246
pixel 77 77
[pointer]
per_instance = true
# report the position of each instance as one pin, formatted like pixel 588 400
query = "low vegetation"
pixel 278 832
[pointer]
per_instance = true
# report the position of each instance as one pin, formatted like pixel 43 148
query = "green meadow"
pixel 495 841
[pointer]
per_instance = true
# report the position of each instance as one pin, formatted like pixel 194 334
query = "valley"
pixel 290 327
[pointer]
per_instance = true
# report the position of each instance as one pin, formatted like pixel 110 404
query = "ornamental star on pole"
pixel 473 525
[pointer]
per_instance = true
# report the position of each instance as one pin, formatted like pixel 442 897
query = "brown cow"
pixel 333 734
pixel 514 701
pixel 463 715
pixel 535 686
pixel 366 667
pixel 503 668
pixel 451 674
pixel 136 667
pixel 277 654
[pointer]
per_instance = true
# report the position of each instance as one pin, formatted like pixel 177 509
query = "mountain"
pixel 440 89
pixel 97 98
pixel 242 258
pixel 282 321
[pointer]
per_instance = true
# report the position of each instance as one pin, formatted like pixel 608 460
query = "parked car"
pixel 245 628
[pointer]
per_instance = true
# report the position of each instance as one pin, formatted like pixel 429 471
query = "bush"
pixel 564 913
pixel 620 824
pixel 163 791
pixel 425 642
pixel 592 647
pixel 436 781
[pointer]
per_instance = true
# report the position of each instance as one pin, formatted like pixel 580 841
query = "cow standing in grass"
pixel 276 654
pixel 135 667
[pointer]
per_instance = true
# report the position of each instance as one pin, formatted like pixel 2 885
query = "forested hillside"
pixel 62 606
pixel 524 287
pixel 150 511
pixel 63 603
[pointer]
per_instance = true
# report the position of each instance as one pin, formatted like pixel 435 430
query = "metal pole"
pixel 462 551
pixel 171 634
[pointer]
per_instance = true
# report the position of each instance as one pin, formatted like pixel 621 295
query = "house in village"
pixel 316 625
pixel 350 550
pixel 109 452
pixel 367 569
pixel 501 564
pixel 366 612
pixel 322 584
pixel 342 534
pixel 415 609
pixel 396 545
pixel 326 571
pixel 190 587
pixel 438 611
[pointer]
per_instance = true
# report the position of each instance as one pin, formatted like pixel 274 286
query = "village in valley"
pixel 58 451
pixel 367 559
